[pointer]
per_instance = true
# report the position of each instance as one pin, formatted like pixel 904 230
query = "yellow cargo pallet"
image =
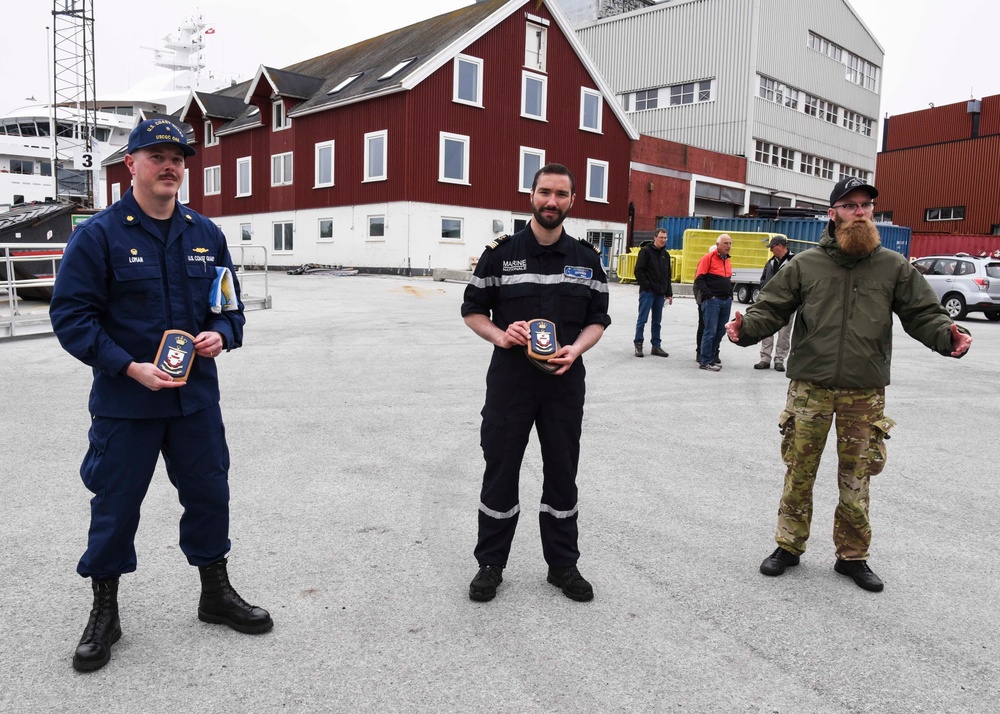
pixel 749 250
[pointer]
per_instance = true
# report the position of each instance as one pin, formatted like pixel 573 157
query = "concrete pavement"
pixel 352 415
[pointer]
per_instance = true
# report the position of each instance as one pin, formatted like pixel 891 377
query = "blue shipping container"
pixel 802 233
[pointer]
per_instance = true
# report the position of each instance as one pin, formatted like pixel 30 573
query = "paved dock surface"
pixel 352 415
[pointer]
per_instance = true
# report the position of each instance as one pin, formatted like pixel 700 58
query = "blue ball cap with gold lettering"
pixel 158 131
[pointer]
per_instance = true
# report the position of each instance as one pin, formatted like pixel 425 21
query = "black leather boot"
pixel 221 605
pixel 103 628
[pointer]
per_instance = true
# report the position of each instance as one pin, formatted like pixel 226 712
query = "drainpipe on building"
pixel 631 224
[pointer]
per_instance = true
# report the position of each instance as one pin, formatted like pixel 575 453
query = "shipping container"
pixel 922 244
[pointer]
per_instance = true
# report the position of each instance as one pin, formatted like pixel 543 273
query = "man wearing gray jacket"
pixel 779 344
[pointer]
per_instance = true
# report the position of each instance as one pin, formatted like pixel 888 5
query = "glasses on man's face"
pixel 852 207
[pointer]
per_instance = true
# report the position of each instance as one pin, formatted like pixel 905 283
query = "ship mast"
pixel 73 96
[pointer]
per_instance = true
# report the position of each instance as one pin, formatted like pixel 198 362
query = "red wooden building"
pixel 411 150
pixel 938 167
pixel 671 179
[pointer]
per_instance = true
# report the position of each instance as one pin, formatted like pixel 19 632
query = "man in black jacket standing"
pixel 652 272
pixel 779 256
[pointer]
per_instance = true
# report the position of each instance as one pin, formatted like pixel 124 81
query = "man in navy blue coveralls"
pixel 539 272
pixel 143 266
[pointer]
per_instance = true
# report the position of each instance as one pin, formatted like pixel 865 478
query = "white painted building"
pixel 793 86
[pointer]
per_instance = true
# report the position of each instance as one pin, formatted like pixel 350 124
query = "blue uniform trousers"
pixel 554 406
pixel 118 468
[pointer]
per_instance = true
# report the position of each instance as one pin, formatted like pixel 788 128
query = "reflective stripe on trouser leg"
pixel 197 461
pixel 117 469
pixel 861 455
pixel 559 428
pixel 503 437
pixel 805 424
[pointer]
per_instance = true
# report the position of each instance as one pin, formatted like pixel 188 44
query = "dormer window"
pixel 346 82
pixel 395 70
pixel 210 139
pixel 279 118
pixel 534 47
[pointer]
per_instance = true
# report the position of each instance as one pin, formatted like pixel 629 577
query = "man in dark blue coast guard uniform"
pixel 145 265
pixel 540 272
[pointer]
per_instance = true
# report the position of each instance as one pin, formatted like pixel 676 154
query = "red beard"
pixel 857 237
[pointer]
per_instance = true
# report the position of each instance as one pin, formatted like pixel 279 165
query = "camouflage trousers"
pixel 862 428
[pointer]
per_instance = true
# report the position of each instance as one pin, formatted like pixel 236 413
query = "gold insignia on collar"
pixel 129 218
pixel 134 252
pixel 200 250
pixel 188 216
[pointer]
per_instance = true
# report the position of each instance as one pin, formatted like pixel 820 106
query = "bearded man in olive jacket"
pixel 845 293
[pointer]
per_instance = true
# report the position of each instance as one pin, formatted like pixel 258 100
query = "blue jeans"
pixel 715 313
pixel 647 301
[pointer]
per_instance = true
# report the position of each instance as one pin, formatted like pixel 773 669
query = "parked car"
pixel 964 283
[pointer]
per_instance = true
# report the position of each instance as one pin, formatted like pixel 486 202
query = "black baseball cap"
pixel 845 186
pixel 158 131
pixel 777 240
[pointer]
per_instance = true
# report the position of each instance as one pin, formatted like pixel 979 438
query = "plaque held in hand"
pixel 175 355
pixel 542 344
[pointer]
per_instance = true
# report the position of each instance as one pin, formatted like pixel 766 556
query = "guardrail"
pixel 16 320
pixel 13 320
pixel 251 301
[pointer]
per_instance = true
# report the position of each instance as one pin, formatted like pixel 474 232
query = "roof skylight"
pixel 397 68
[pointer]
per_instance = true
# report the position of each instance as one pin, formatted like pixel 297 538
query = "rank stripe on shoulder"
pixel 590 245
pixel 497 241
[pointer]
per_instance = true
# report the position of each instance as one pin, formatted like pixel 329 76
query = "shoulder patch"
pixel 497 241
pixel 590 245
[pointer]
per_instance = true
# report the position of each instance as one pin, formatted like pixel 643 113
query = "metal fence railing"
pixel 257 273
pixel 27 272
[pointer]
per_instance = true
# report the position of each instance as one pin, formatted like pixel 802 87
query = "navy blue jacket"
pixel 120 286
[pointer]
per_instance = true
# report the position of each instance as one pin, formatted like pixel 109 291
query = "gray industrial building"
pixel 792 86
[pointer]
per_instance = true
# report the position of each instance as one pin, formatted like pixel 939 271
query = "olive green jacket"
pixel 844 305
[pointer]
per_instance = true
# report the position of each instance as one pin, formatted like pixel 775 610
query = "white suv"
pixel 964 283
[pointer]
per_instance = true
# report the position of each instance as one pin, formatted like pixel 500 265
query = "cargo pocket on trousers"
pixel 786 424
pixel 90 470
pixel 491 432
pixel 875 457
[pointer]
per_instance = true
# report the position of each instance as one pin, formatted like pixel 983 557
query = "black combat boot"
pixel 573 585
pixel 862 575
pixel 776 562
pixel 638 349
pixel 221 605
pixel 103 628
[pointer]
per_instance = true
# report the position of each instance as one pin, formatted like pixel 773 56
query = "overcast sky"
pixel 936 51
